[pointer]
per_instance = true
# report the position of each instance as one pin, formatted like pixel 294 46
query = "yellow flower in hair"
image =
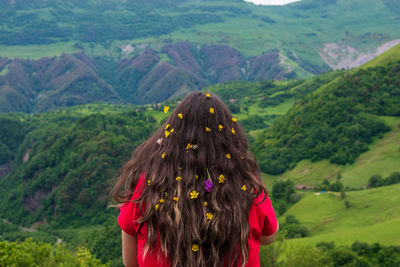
pixel 194 194
pixel 178 178
pixel 163 155
pixel 166 126
pixel 162 200
pixel 212 110
pixel 172 130
pixel 156 207
pixel 166 108
pixel 244 187
pixel 208 95
pixel 234 119
pixel 221 179
pixel 195 247
pixel 167 133
pixel 209 215
pixel 148 182
pixel 233 131
pixel 189 146
pixel 175 198
pixel 180 116
pixel 205 203
pixel 208 129
pixel 228 156
pixel 220 127
pixel 197 177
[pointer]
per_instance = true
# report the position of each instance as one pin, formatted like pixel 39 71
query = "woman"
pixel 192 193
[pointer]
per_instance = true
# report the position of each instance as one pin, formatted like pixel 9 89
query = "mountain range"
pixel 65 53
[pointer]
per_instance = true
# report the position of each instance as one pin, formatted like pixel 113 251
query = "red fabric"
pixel 262 222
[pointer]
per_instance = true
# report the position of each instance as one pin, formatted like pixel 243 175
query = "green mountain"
pixel 335 122
pixel 129 51
pixel 380 158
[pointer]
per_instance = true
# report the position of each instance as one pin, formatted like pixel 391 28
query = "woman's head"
pixel 200 154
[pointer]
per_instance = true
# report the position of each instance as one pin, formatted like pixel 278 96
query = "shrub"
pixel 33 253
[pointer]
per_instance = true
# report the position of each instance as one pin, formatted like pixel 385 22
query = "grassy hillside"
pixel 335 122
pixel 381 158
pixel 382 152
pixel 373 216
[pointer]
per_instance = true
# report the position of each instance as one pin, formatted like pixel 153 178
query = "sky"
pixel 272 2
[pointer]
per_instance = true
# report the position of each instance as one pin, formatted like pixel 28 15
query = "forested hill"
pixel 64 163
pixel 148 51
pixel 337 121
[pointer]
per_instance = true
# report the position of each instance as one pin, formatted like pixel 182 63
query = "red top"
pixel 262 222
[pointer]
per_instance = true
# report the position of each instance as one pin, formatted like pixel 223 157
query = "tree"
pixel 336 186
pixel 394 178
pixel 376 180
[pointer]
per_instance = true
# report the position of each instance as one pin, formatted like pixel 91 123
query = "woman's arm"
pixel 129 250
pixel 266 240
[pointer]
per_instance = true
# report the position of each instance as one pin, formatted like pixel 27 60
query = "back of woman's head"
pixel 201 181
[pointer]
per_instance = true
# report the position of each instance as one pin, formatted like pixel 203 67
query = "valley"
pixel 314 84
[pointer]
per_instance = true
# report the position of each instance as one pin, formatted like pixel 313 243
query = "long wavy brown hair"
pixel 203 142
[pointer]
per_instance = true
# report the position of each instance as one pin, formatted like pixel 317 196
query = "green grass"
pixel 386 233
pixel 310 173
pixel 382 158
pixel 255 109
pixel 92 108
pixel 158 115
pixel 37 51
pixel 268 181
pixel 374 216
pixel 281 108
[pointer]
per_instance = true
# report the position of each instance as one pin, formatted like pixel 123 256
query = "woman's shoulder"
pixel 262 206
pixel 261 197
pixel 262 215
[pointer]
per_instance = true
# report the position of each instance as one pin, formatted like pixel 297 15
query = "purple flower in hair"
pixel 208 185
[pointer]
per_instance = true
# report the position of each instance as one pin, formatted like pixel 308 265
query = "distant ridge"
pixel 194 44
